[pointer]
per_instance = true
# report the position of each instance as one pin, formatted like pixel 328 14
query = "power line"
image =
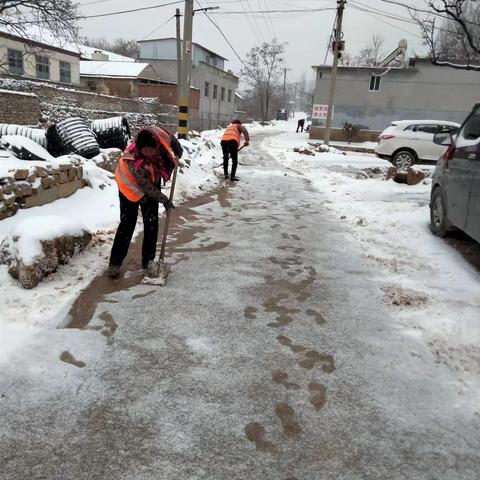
pixel 158 28
pixel 270 19
pixel 332 33
pixel 264 12
pixel 250 22
pixel 121 12
pixel 223 35
pixel 265 19
pixel 254 20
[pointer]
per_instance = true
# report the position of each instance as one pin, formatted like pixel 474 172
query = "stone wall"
pixel 19 107
pixel 33 187
pixel 57 103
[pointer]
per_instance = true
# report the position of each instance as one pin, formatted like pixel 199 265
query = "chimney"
pixel 99 55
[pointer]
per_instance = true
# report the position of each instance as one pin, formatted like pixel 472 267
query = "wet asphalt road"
pixel 269 355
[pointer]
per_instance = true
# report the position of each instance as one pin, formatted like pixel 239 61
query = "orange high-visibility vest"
pixel 126 181
pixel 232 133
pixel 127 184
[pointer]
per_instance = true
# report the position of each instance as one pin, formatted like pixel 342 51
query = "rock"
pixel 392 173
pixel 414 177
pixel 72 174
pixel 63 167
pixel 22 189
pixel 32 177
pixel 62 177
pixel 41 172
pixel 67 189
pixel 21 174
pixel 41 198
pixel 1 193
pixel 47 182
pixel 55 252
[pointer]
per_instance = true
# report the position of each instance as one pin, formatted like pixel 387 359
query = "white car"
pixel 409 141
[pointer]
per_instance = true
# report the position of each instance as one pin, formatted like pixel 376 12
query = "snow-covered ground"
pixel 433 290
pixel 23 312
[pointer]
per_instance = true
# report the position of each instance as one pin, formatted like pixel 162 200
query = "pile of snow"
pixel 24 148
pixel 30 232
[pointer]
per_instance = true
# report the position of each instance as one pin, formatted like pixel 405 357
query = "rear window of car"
pixel 409 128
pixel 427 128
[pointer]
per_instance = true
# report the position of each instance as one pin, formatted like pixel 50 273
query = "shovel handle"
pixel 167 218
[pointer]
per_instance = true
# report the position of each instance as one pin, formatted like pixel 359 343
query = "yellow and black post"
pixel 185 70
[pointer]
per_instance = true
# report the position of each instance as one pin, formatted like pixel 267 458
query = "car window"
pixel 410 128
pixel 471 129
pixel 448 129
pixel 427 128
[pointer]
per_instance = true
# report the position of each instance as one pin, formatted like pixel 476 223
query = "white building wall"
pixel 29 63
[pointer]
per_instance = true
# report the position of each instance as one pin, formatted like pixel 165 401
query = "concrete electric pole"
pixel 179 55
pixel 185 70
pixel 333 84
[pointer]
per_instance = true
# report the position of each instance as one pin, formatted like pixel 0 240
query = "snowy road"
pixel 270 355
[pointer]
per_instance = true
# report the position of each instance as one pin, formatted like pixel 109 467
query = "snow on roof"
pixel 95 68
pixel 425 122
pixel 35 33
pixel 87 53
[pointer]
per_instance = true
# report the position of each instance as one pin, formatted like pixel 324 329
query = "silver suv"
pixel 455 197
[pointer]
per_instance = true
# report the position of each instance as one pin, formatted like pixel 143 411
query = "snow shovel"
pixel 157 272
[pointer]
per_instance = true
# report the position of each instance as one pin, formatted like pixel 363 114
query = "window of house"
pixel 222 94
pixel 375 81
pixel 215 91
pixel 229 95
pixel 43 67
pixel 206 91
pixel 15 62
pixel 65 72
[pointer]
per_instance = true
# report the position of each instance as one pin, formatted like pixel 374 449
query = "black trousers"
pixel 128 220
pixel 230 149
pixel 300 125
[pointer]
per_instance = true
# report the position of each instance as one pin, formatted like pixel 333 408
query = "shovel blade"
pixel 157 273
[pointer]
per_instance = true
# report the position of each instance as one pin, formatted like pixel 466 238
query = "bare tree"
pixel 372 54
pixel 262 70
pixel 451 31
pixel 122 46
pixel 58 16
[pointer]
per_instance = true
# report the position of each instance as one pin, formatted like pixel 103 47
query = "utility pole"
pixel 185 70
pixel 333 83
pixel 284 86
pixel 179 55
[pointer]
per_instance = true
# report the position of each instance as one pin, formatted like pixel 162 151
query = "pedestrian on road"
pixel 301 124
pixel 230 145
pixel 147 161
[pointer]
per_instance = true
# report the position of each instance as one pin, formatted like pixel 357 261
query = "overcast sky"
pixel 306 33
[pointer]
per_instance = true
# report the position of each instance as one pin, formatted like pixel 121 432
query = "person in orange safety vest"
pixel 148 160
pixel 230 144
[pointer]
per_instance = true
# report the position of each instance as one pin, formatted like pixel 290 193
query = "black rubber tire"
pixel 404 159
pixel 439 222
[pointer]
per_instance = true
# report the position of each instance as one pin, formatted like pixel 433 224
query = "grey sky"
pixel 306 33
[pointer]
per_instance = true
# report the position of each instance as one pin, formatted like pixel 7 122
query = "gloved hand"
pixel 168 204
pixel 246 144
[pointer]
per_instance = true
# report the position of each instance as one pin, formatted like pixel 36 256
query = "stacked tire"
pixel 112 132
pixel 35 134
pixel 72 135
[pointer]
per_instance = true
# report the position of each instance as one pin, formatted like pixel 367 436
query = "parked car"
pixel 282 114
pixel 407 142
pixel 455 197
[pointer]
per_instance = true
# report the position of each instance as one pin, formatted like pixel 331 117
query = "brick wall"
pixel 18 107
pixel 167 94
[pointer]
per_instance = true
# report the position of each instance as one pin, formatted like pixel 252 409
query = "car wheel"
pixel 404 159
pixel 438 213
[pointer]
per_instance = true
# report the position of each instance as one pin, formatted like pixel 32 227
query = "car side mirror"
pixel 443 138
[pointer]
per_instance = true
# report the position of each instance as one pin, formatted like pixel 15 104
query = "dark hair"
pixel 237 122
pixel 145 139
